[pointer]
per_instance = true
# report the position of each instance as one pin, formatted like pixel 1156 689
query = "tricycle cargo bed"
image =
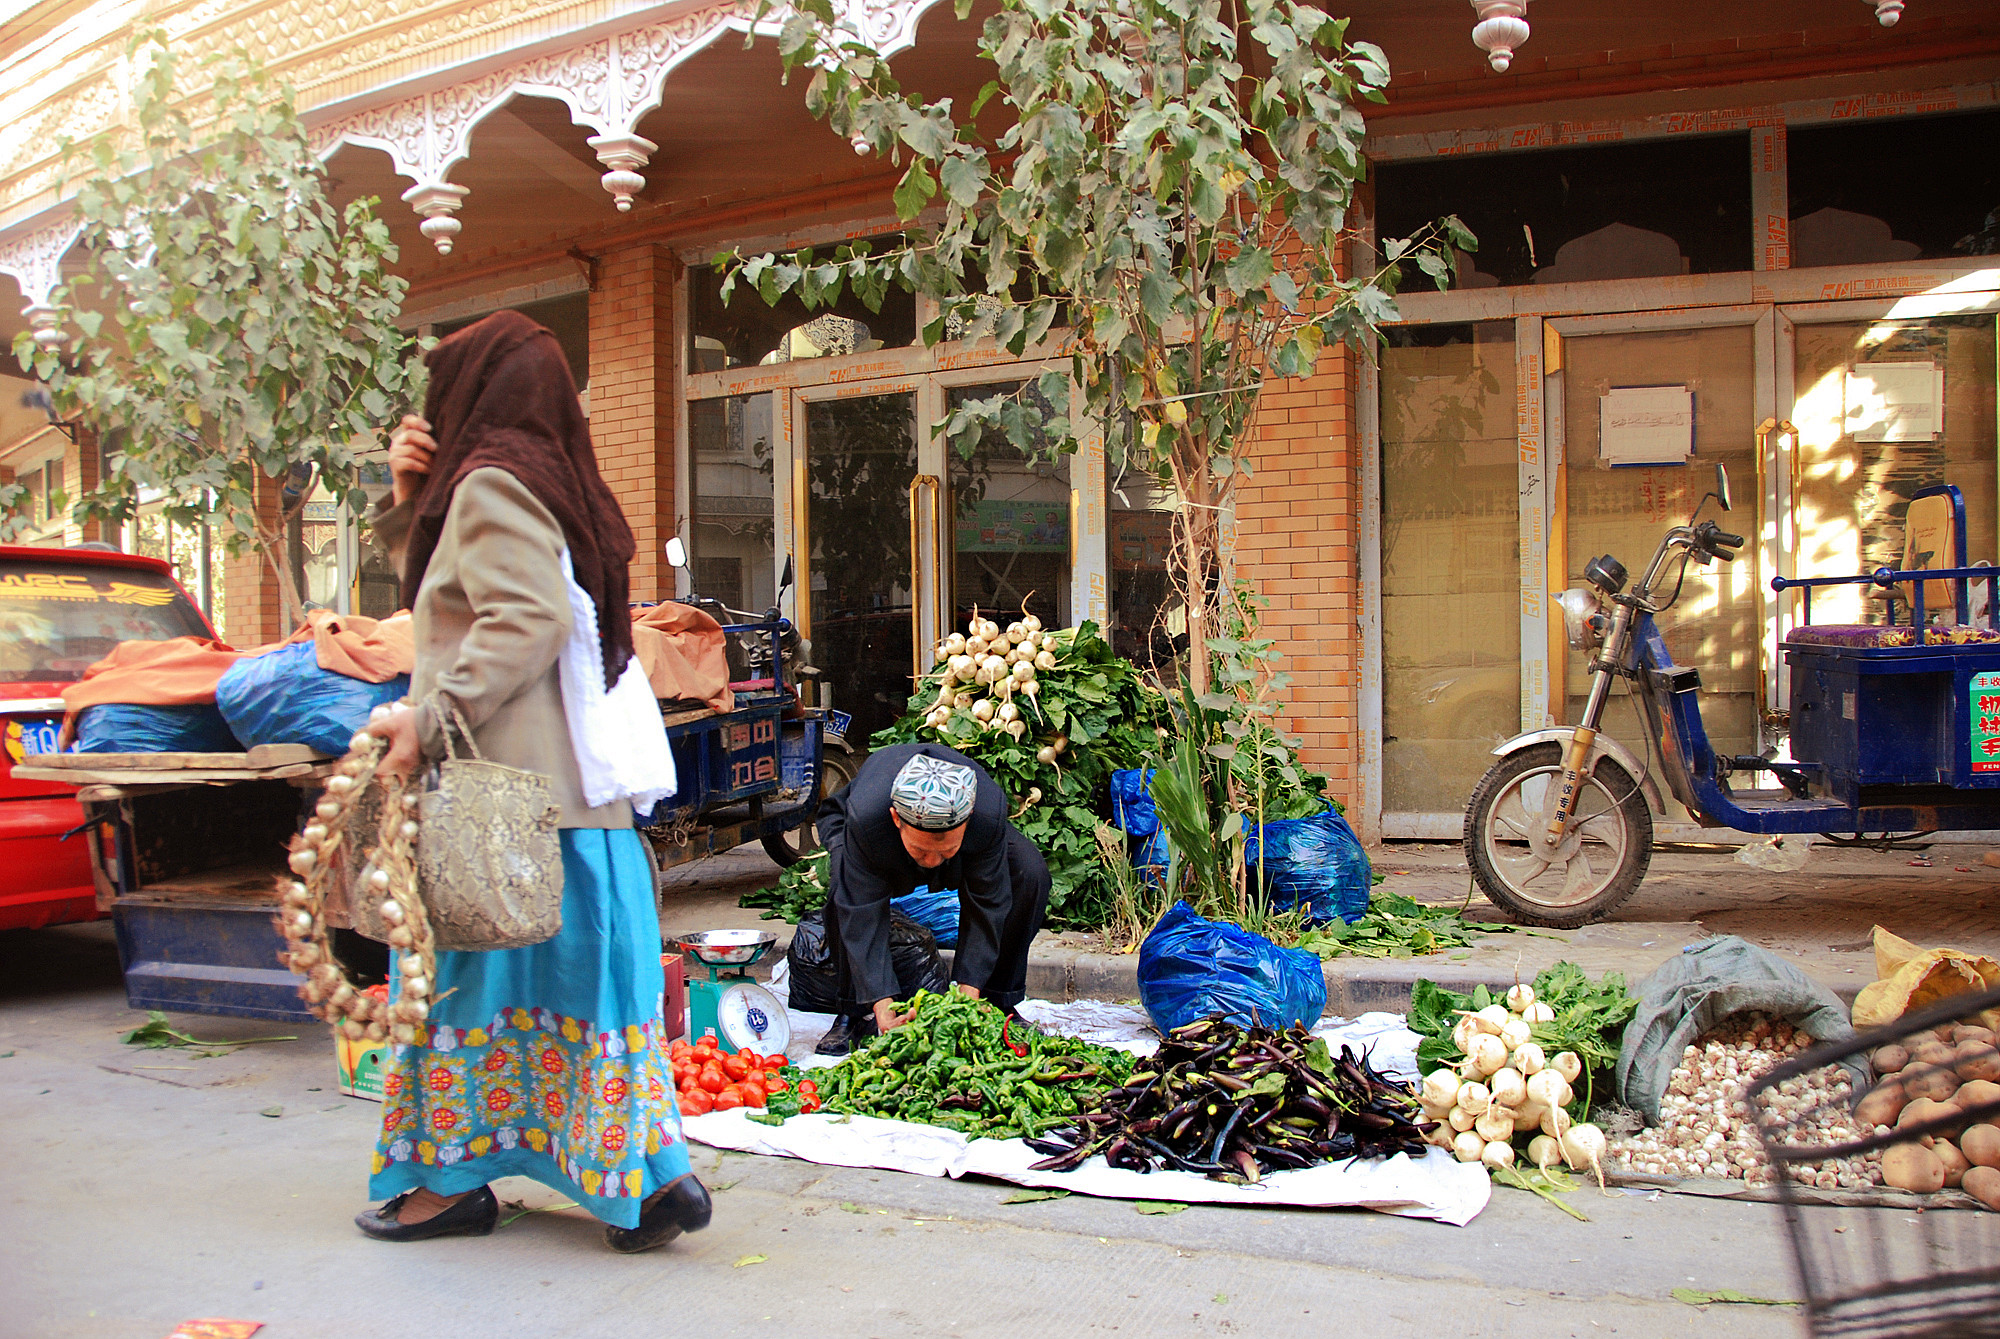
pixel 1898 715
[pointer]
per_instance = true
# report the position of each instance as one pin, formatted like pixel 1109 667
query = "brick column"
pixel 250 609
pixel 1298 540
pixel 632 400
pixel 81 463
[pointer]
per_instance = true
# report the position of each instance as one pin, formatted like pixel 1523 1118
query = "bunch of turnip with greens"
pixel 1515 1076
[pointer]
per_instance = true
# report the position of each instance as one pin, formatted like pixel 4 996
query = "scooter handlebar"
pixel 1716 542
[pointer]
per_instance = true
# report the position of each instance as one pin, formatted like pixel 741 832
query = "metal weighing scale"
pixel 729 1006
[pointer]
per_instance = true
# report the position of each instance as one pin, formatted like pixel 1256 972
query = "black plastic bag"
pixel 812 979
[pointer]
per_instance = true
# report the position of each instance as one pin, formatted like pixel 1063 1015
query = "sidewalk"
pixel 1821 917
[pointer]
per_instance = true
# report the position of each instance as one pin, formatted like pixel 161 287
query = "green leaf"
pixel 741 1261
pixel 1154 1208
pixel 1032 1196
pixel 1694 1297
pixel 916 187
pixel 963 177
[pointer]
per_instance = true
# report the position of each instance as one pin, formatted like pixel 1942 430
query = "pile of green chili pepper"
pixel 963 1064
pixel 1235 1103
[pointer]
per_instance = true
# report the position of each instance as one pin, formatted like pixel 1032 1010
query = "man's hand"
pixel 886 1017
pixel 964 989
pixel 410 449
pixel 398 725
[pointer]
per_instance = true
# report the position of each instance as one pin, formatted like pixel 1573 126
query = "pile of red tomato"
pixel 708 1079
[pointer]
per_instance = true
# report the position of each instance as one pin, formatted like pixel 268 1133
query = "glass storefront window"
pixel 731 513
pixel 1451 628
pixel 1148 624
pixel 746 331
pixel 1854 487
pixel 1618 211
pixel 1851 197
pixel 567 318
pixel 1011 525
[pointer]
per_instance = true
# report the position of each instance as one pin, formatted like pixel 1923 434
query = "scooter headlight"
pixel 1581 622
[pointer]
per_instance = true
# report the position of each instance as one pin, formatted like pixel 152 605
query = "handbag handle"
pixel 456 718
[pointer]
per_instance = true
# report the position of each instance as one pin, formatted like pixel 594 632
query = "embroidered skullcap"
pixel 932 794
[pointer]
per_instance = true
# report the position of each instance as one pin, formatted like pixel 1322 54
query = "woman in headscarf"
pixel 546 1061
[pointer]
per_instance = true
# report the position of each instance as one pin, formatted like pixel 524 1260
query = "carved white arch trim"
pixel 608 83
pixel 34 259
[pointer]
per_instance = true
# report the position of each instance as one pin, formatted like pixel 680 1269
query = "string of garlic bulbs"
pixel 326 989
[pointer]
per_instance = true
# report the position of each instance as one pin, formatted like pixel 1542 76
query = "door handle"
pixel 921 484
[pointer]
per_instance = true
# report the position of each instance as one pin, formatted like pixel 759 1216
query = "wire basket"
pixel 1930 1263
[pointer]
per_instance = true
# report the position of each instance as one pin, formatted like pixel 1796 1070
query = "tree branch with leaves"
pixel 1168 203
pixel 235 324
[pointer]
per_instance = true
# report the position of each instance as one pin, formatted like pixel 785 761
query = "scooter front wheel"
pixel 1596 867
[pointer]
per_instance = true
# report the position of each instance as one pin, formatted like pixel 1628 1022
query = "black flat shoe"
pixel 476 1215
pixel 681 1206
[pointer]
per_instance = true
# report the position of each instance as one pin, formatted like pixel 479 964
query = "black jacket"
pixel 868 865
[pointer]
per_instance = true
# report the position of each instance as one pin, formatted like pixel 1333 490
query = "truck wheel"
pixel 837 768
pixel 1599 864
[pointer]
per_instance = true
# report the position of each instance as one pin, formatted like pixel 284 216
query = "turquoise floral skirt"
pixel 548 1061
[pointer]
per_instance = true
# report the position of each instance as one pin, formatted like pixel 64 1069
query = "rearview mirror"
pixel 677 554
pixel 1722 485
pixel 785 581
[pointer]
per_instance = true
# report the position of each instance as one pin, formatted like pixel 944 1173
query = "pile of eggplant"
pixel 1235 1103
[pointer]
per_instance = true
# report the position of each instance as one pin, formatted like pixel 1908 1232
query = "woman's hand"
pixel 398 725
pixel 410 449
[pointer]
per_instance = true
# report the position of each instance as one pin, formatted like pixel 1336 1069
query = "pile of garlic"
pixel 1506 1088
pixel 1706 1126
pixel 987 667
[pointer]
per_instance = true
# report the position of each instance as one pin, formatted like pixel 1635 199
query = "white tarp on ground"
pixel 1434 1186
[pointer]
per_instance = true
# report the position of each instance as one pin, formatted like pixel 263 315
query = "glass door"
pixel 1012 526
pixel 1642 416
pixel 864 504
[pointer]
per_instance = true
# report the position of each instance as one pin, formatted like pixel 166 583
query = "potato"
pixel 1952 1159
pixel 1928 1080
pixel 1971 1032
pixel 1923 1111
pixel 1889 1059
pixel 1934 1053
pixel 1983 1184
pixel 1976 1094
pixel 1913 1167
pixel 1976 1060
pixel 1981 1145
pixel 1882 1104
pixel 1943 1031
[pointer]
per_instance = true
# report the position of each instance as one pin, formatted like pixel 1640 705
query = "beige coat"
pixel 492 615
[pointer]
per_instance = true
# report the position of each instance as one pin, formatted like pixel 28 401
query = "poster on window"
pixel 1646 425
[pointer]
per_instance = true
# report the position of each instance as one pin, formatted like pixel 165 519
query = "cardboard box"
pixel 360 1065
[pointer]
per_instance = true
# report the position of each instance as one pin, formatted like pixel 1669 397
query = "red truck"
pixel 61 611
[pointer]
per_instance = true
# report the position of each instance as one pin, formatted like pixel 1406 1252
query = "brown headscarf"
pixel 501 396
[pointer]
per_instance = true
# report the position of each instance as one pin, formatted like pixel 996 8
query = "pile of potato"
pixel 1933 1076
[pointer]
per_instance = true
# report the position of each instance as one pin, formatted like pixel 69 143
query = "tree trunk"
pixel 273 550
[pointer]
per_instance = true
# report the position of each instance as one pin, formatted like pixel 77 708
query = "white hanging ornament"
pixel 1886 11
pixel 1503 25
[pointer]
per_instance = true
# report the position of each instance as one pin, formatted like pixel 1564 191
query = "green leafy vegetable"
pixel 1395 926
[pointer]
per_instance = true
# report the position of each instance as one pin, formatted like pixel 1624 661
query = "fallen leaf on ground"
pixel 1694 1298
pixel 750 1260
pixel 1158 1206
pixel 719 1187
pixel 521 1210
pixel 1030 1196
pixel 272 1112
pixel 852 1207
pixel 216 1329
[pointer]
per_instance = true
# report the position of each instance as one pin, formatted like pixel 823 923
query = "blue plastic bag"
pixel 1132 802
pixel 122 727
pixel 1191 968
pixel 934 909
pixel 284 697
pixel 1313 862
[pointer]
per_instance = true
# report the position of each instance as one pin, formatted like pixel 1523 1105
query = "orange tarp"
pixel 185 670
pixel 681 650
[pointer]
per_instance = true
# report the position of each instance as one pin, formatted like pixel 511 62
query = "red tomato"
pixel 777 1061
pixel 696 1103
pixel 728 1100
pixel 807 1088
pixel 752 1093
pixel 773 1084
pixel 735 1066
pixel 680 1050
pixel 713 1079
pixel 709 1043
pixel 808 1104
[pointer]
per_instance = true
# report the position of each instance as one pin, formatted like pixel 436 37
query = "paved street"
pixel 147 1187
